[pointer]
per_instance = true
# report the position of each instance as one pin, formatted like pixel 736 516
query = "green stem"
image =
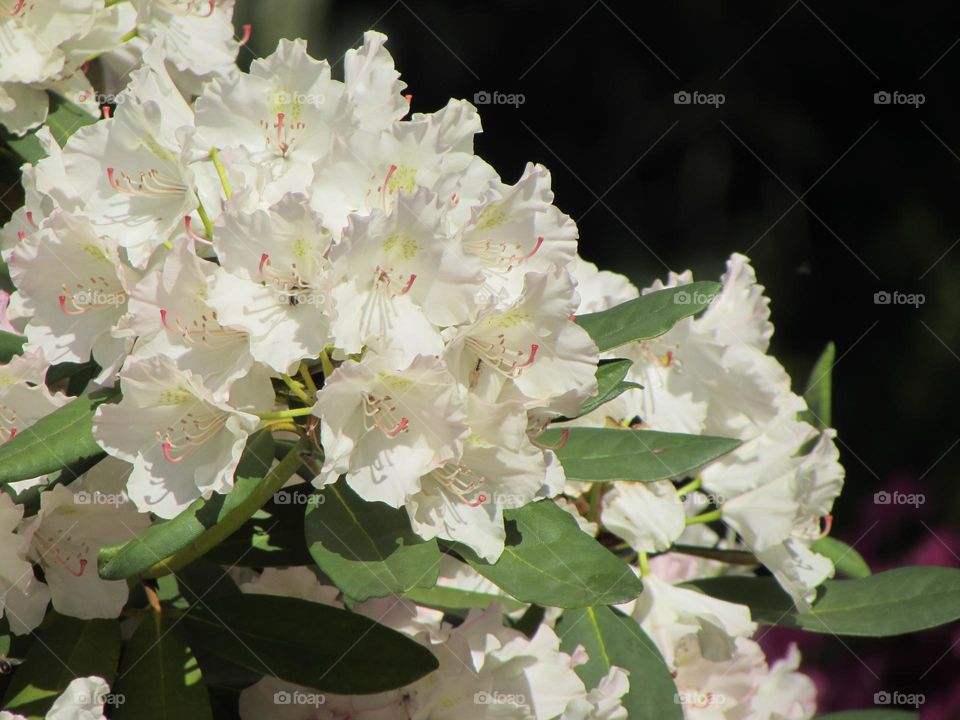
pixel 689 487
pixel 285 414
pixel 297 389
pixel 594 498
pixel 221 172
pixel 707 517
pixel 205 219
pixel 644 564
pixel 274 480
pixel 326 364
pixel 308 379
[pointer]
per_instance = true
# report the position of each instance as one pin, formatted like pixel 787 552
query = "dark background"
pixel 832 196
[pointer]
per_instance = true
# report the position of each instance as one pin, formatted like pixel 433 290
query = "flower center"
pixel 381 413
pixel 190 432
pixel 462 482
pixel 151 183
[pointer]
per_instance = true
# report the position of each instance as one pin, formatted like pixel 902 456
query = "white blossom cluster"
pixel 48 46
pixel 204 251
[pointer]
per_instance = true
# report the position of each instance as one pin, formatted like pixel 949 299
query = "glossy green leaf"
pixel 67 648
pixel 163 539
pixel 10 346
pixel 58 440
pixel 307 643
pixel 845 559
pixel 600 454
pixel 647 316
pixel 894 602
pixel 820 388
pixel 459 601
pixel 159 677
pixel 549 560
pixel 63 120
pixel 610 384
pixel 367 549
pixel 613 639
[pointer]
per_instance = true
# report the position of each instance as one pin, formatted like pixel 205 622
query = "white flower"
pixel 74 286
pixel 182 441
pixel 599 289
pixel 386 427
pixel 83 699
pixel 530 350
pixel 170 315
pixel 23 598
pixel 500 469
pixel 603 702
pixel 65 536
pixel 398 279
pixel 649 516
pixel 273 283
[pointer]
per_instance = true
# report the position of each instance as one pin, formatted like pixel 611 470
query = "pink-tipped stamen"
pixel 105 109
pixel 531 357
pixel 16 10
pixel 532 252
pixel 399 428
pixel 163 319
pixel 406 288
pixel 168 455
pixel 21 235
pixel 30 218
pixel 480 500
pixel 212 7
pixel 63 307
pixel 827 525
pixel 564 435
pixel 187 221
pixel 246 35
pixel 264 260
pixel 11 434
pixel 112 179
pixel 386 183
pixel 83 566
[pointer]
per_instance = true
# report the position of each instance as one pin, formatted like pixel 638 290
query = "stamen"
pixel 400 427
pixel 63 307
pixel 564 435
pixel 21 235
pixel 264 259
pixel 30 218
pixel 246 35
pixel 106 111
pixel 187 221
pixel 168 456
pixel 406 288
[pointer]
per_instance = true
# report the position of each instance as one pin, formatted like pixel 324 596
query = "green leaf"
pixel 610 383
pixel 163 539
pixel 549 560
pixel 70 648
pixel 870 715
pixel 612 639
pixel 159 676
pixel 458 601
pixel 55 441
pixel 894 602
pixel 647 316
pixel 307 643
pixel 10 346
pixel 63 120
pixel 845 559
pixel 367 549
pixel 601 454
pixel 820 388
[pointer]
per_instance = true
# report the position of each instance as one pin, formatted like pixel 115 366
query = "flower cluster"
pixel 281 250
pixel 48 46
